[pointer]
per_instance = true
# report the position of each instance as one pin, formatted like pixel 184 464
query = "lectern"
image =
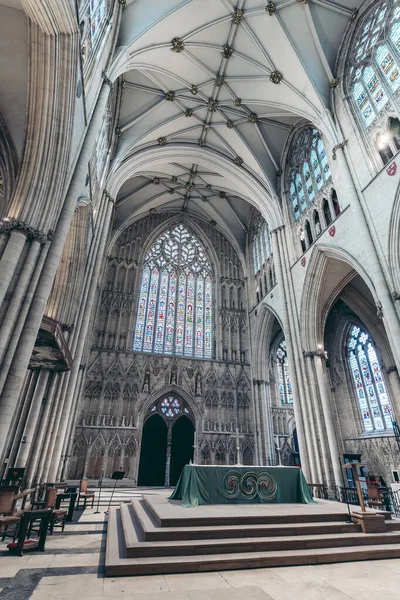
pixel 117 475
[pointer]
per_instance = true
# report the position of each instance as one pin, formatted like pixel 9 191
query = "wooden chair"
pixel 374 498
pixel 27 520
pixel 83 493
pixel 8 518
pixel 58 516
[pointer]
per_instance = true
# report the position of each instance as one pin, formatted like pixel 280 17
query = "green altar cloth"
pixel 241 485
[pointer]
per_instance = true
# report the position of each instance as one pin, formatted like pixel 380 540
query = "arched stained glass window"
pixel 309 169
pixel 284 382
pixel 174 314
pixel 375 63
pixel 368 381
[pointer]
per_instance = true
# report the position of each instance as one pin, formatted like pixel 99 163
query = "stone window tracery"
pixel 174 314
pixel 368 381
pixel 375 75
pixel 308 169
pixel 311 196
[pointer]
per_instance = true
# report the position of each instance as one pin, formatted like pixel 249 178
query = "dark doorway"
pixel 181 448
pixel 153 454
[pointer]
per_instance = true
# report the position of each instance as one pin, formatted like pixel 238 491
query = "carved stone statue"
pixel 198 384
pixel 146 385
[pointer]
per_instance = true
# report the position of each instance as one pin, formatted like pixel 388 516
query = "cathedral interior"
pixel 199 237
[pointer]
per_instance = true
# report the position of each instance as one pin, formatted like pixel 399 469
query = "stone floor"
pixel 73 564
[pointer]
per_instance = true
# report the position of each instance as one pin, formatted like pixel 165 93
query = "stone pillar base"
pixel 370 522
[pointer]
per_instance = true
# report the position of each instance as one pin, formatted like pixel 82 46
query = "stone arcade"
pixel 199 237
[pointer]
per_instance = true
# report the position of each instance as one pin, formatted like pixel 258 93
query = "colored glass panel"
pixel 141 312
pixel 284 381
pixel 364 105
pixel 180 317
pixel 316 167
pixel 308 181
pixel 300 193
pixel 169 328
pixel 294 199
pixel 161 313
pixel 389 66
pixel 199 339
pixel 151 311
pixel 374 87
pixel 189 315
pixel 207 320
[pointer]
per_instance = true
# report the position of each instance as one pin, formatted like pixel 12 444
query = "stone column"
pixel 30 475
pixel 30 426
pixel 297 405
pixel 327 412
pixel 27 340
pixel 14 306
pixel 301 371
pixel 322 440
pixel 394 397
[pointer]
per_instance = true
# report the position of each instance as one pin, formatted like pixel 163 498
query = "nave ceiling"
pixel 226 76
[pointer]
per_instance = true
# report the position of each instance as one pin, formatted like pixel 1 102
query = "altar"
pixel 214 484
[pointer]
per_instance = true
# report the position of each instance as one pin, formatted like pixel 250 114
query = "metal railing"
pixel 390 501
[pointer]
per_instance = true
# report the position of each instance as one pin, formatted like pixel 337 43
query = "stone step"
pixel 262 519
pixel 137 547
pixel 118 563
pixel 153 532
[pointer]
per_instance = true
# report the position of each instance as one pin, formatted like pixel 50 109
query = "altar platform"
pixel 153 534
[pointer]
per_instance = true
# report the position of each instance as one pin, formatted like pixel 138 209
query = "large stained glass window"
pixel 309 169
pixel 375 62
pixel 97 16
pixel 283 376
pixel 174 314
pixel 368 381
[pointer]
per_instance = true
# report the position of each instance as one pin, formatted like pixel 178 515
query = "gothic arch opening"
pixel 167 442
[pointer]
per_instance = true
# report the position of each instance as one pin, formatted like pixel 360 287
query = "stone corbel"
pixel 395 295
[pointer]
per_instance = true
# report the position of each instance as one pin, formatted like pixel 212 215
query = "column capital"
pixel 109 197
pixel 340 146
pixel 106 79
pixel 391 369
pixel 279 228
pixel 8 226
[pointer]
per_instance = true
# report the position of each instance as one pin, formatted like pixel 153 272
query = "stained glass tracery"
pixel 368 381
pixel 284 381
pixel 174 314
pixel 309 169
pixel 376 61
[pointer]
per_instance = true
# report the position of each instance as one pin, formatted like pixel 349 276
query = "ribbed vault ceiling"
pixel 205 73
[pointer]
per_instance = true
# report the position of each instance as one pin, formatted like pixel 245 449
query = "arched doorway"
pixel 167 442
pixel 153 455
pixel 181 447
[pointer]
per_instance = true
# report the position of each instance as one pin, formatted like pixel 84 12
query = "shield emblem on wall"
pixel 332 231
pixel 303 261
pixel 392 169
